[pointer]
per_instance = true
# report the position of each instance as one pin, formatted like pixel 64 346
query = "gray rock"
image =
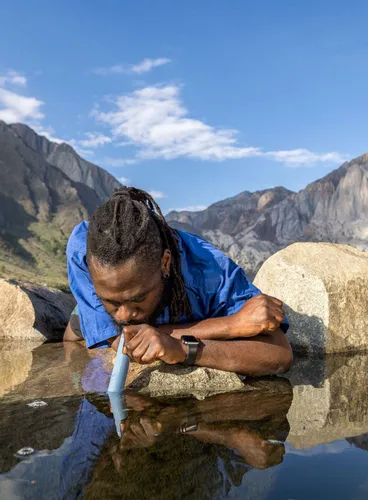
pixel 325 291
pixel 176 380
pixel 30 312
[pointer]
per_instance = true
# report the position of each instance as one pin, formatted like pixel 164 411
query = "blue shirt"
pixel 215 285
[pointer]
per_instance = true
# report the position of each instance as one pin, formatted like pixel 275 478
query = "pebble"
pixel 24 452
pixel 37 404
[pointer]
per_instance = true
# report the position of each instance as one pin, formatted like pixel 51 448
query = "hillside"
pixel 41 202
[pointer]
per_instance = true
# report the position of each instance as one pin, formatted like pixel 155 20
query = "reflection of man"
pixel 179 299
pixel 195 447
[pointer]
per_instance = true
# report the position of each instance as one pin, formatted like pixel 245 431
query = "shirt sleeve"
pixel 96 324
pixel 234 291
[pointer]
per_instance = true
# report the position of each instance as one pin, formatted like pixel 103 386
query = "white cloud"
pixel 118 162
pixel 85 152
pixel 18 108
pixel 123 180
pixel 147 64
pixel 191 208
pixel 298 157
pixel 126 69
pixel 94 140
pixel 117 69
pixel 158 195
pixel 47 132
pixel 13 78
pixel 155 120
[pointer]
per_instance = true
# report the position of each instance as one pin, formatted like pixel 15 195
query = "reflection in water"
pixel 202 447
pixel 229 443
pixel 330 400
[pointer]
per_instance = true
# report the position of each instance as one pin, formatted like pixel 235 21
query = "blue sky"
pixel 196 101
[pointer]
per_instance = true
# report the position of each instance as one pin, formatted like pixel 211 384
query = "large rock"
pixel 176 380
pixel 32 312
pixel 324 287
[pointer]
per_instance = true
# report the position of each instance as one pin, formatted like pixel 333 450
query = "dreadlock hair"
pixel 131 224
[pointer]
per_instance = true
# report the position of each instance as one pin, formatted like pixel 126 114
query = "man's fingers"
pixel 139 351
pixel 276 301
pixel 279 316
pixel 151 355
pixel 131 331
pixel 269 299
pixel 131 343
pixel 272 326
pixel 277 313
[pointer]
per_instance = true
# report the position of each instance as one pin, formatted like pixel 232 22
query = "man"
pixel 178 298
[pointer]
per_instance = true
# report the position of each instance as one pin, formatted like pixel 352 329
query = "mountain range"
pixel 252 226
pixel 46 188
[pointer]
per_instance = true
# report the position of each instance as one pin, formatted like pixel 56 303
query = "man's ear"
pixel 165 263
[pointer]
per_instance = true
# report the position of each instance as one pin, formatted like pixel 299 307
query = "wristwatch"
pixel 191 425
pixel 193 345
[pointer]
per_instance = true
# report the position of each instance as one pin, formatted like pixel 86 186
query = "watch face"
pixel 189 339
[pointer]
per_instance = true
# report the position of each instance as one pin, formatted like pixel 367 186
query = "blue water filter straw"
pixel 116 385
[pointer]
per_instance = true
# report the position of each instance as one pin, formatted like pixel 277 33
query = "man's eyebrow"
pixel 136 297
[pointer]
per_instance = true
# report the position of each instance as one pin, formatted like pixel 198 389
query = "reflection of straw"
pixel 118 408
pixel 116 385
pixel 120 369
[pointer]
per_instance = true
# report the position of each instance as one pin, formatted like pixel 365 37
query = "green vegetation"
pixel 40 258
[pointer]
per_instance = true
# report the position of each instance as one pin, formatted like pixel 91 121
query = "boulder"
pixel 32 312
pixel 177 380
pixel 324 288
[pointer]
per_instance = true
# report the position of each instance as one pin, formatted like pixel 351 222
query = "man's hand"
pixel 261 314
pixel 145 344
pixel 142 433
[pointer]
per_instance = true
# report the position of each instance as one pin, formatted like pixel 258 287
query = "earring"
pixel 167 276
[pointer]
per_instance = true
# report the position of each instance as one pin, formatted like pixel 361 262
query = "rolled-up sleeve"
pixel 234 290
pixel 96 325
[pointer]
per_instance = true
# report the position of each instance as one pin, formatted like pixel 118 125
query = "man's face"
pixel 130 292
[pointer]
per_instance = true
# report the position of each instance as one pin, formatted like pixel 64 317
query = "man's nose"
pixel 126 313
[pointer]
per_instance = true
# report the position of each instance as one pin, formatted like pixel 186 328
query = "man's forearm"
pixel 210 329
pixel 257 356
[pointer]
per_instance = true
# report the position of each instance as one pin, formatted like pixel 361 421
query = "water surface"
pixel 297 437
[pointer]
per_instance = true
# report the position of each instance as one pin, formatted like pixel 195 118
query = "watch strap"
pixel 191 354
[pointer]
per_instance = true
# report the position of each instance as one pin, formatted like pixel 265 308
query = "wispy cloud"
pixel 123 180
pixel 190 208
pixel 125 69
pixel 47 132
pixel 158 195
pixel 155 120
pixel 13 78
pixel 147 64
pixel 118 162
pixel 298 157
pixel 94 140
